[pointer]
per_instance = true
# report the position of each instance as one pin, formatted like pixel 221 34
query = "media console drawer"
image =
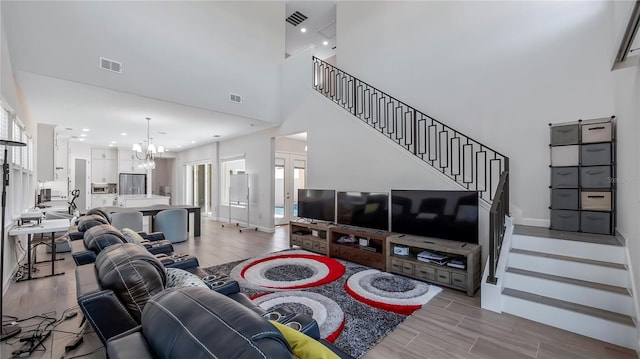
pixel 425 272
pixel 443 276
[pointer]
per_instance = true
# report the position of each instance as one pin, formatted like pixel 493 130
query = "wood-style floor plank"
pixel 452 325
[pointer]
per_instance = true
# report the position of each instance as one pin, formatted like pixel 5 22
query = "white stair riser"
pixel 569 269
pixel 599 252
pixel 591 297
pixel 611 332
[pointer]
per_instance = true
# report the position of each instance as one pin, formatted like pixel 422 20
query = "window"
pixel 17 136
pixel 4 129
pixel 228 167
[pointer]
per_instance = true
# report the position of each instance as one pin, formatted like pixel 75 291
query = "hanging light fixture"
pixel 147 152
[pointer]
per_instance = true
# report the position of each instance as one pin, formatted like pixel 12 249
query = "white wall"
pixel 22 187
pixel 627 107
pixel 499 72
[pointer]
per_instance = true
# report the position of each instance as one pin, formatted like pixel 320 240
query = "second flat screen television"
pixel 451 215
pixel 364 209
pixel 317 204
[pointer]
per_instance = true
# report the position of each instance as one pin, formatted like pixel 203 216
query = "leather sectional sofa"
pixel 201 323
pixel 125 298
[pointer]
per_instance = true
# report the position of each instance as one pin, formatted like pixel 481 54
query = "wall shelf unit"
pixel 466 278
pixel 373 254
pixel 583 173
pixel 313 237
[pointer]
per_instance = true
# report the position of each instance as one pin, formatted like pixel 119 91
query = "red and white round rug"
pixel 326 312
pixel 288 270
pixel 389 292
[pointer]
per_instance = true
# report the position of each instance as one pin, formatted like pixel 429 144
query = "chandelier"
pixel 147 152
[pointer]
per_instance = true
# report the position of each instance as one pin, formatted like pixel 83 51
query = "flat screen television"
pixel 318 204
pixel 363 209
pixel 451 215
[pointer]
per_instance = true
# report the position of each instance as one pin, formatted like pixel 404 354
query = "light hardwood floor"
pixel 452 325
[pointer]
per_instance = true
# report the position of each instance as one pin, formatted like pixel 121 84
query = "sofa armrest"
pixel 102 308
pixel 84 257
pixel 75 234
pixel 129 345
pixel 224 286
pixel 81 254
pixel 153 236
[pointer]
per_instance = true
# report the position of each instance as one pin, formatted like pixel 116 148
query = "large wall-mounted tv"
pixel 319 204
pixel 363 209
pixel 451 215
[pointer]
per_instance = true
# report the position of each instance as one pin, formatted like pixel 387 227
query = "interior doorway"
pixel 79 179
pixel 199 187
pixel 290 174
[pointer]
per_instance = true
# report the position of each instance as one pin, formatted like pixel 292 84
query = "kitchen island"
pixel 142 200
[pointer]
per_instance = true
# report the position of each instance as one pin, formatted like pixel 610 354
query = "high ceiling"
pixel 180 61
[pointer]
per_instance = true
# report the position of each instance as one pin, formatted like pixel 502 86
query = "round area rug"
pixel 326 312
pixel 293 270
pixel 389 292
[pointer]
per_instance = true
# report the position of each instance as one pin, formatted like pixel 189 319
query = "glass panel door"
pixel 279 198
pixel 290 175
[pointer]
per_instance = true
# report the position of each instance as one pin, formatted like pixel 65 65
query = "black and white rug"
pixel 355 306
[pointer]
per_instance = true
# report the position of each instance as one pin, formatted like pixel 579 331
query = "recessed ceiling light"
pixel 123 134
pixel 83 135
pixel 82 139
pixel 304 29
pixel 111 145
pixel 325 43
pixel 114 142
pixel 193 141
pixel 85 130
pixel 179 146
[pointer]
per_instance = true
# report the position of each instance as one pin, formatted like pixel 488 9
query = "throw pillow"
pixel 302 345
pixel 131 235
pixel 177 278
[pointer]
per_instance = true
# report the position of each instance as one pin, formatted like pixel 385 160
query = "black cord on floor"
pixel 82 355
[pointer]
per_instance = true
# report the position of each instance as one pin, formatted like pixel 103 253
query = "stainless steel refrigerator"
pixel 133 183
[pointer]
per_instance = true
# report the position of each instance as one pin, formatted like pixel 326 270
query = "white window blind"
pixel 17 136
pixel 29 155
pixel 4 129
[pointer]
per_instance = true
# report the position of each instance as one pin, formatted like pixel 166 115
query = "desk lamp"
pixel 8 330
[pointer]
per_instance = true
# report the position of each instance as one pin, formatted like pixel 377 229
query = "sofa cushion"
pixel 177 278
pixel 132 273
pixel 131 236
pixel 88 221
pixel 303 346
pixel 101 212
pixel 102 236
pixel 201 323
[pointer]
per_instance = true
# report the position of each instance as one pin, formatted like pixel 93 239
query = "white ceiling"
pixel 180 62
pixel 320 26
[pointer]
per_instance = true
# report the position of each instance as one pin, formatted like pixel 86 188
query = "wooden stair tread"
pixel 579 282
pixel 579 308
pixel 566 235
pixel 568 258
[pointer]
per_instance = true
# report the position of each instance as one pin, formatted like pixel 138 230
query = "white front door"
pixel 290 175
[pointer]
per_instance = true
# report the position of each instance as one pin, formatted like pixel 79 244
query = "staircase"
pixel 574 281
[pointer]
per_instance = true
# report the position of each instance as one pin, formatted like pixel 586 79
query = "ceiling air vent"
pixel 296 18
pixel 110 65
pixel 235 98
